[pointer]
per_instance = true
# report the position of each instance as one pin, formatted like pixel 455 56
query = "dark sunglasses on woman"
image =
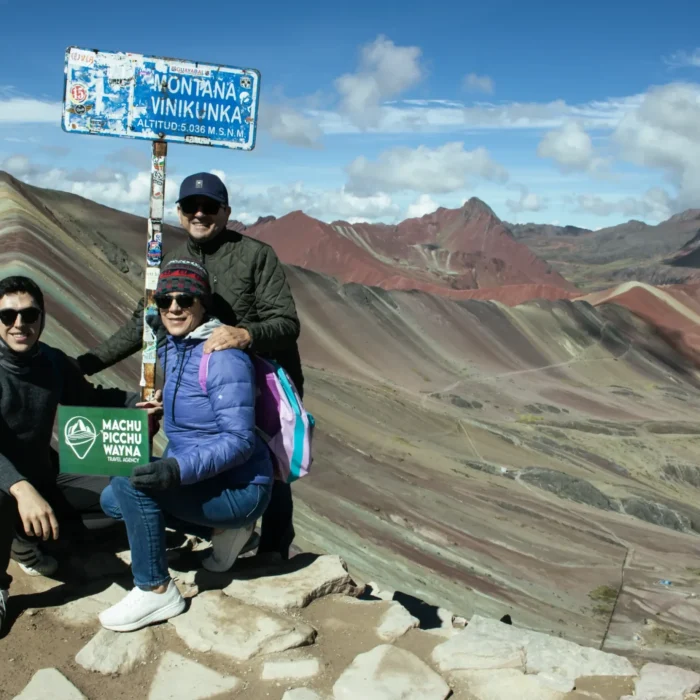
pixel 30 314
pixel 164 301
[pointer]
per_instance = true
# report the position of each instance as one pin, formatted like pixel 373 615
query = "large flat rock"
pixel 551 655
pixel 218 623
pixel 464 652
pixel 506 683
pixel 660 682
pixel 115 652
pixel 290 670
pixel 178 678
pixel 50 684
pixel 395 622
pixel 295 589
pixel 389 673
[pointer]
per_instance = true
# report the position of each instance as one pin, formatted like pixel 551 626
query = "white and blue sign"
pixel 146 97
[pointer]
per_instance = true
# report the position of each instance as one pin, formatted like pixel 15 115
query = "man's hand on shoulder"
pixel 225 337
pixel 36 514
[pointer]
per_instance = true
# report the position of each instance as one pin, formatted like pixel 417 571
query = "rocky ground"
pixel 302 630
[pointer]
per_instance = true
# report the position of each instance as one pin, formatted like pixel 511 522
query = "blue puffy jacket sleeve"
pixel 231 391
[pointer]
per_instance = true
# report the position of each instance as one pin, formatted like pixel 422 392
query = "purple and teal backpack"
pixel 280 418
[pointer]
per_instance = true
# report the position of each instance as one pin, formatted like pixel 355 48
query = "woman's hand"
pixel 160 474
pixel 154 408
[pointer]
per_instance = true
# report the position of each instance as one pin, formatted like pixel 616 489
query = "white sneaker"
pixel 32 560
pixel 226 547
pixel 140 608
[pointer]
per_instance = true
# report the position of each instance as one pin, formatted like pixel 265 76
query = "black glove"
pixel 87 364
pixel 161 474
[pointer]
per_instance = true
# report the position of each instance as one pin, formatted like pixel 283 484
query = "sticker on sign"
pixel 148 97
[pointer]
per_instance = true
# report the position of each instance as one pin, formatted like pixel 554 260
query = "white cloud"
pixel 449 116
pixel 571 148
pixel 682 59
pixel 19 165
pixel 478 83
pixel 104 185
pixel 425 204
pixel 427 170
pixel 655 203
pixel 26 110
pixel 664 133
pixel 385 70
pixel 528 201
pixel 327 205
pixel 286 124
pixel 131 192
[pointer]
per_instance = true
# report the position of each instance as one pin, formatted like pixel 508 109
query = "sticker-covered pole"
pixel 154 257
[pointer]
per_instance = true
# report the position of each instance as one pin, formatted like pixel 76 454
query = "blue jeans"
pixel 195 509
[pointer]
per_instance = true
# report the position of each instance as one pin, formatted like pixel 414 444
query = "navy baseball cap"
pixel 203 185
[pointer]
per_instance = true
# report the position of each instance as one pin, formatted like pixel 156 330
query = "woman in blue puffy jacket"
pixel 216 472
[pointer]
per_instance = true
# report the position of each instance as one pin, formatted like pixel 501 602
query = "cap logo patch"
pixel 199 184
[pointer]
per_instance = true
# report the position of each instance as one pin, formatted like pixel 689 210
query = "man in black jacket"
pixel 250 295
pixel 37 503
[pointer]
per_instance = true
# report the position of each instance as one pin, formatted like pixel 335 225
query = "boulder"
pixel 660 682
pixel 178 678
pixel 290 670
pixel 114 652
pixel 463 652
pixel 497 684
pixel 220 624
pixel 295 589
pixel 395 622
pixel 389 673
pixel 49 683
pixel 551 655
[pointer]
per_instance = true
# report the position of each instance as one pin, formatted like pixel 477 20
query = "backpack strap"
pixel 204 370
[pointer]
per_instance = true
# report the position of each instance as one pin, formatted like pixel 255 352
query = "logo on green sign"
pixel 107 441
pixel 80 435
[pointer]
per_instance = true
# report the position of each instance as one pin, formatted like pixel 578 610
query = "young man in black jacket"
pixel 36 502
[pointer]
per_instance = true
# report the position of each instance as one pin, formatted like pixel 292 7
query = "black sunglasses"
pixel 29 315
pixel 209 207
pixel 164 301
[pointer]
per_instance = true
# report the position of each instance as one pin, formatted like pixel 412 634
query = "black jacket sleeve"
pixel 77 391
pixel 9 475
pixel 279 325
pixel 125 342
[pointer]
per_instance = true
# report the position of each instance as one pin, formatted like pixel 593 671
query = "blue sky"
pixel 582 113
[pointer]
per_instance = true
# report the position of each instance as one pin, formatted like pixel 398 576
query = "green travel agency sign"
pixel 105 441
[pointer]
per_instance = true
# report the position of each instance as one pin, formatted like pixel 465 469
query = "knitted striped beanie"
pixel 185 276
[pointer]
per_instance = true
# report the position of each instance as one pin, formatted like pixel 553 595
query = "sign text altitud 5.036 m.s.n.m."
pixel 148 97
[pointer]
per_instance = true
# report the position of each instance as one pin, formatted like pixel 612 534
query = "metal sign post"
pixel 154 257
pixel 162 100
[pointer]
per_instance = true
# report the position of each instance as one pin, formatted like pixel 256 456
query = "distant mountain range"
pixel 446 252
pixel 452 251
